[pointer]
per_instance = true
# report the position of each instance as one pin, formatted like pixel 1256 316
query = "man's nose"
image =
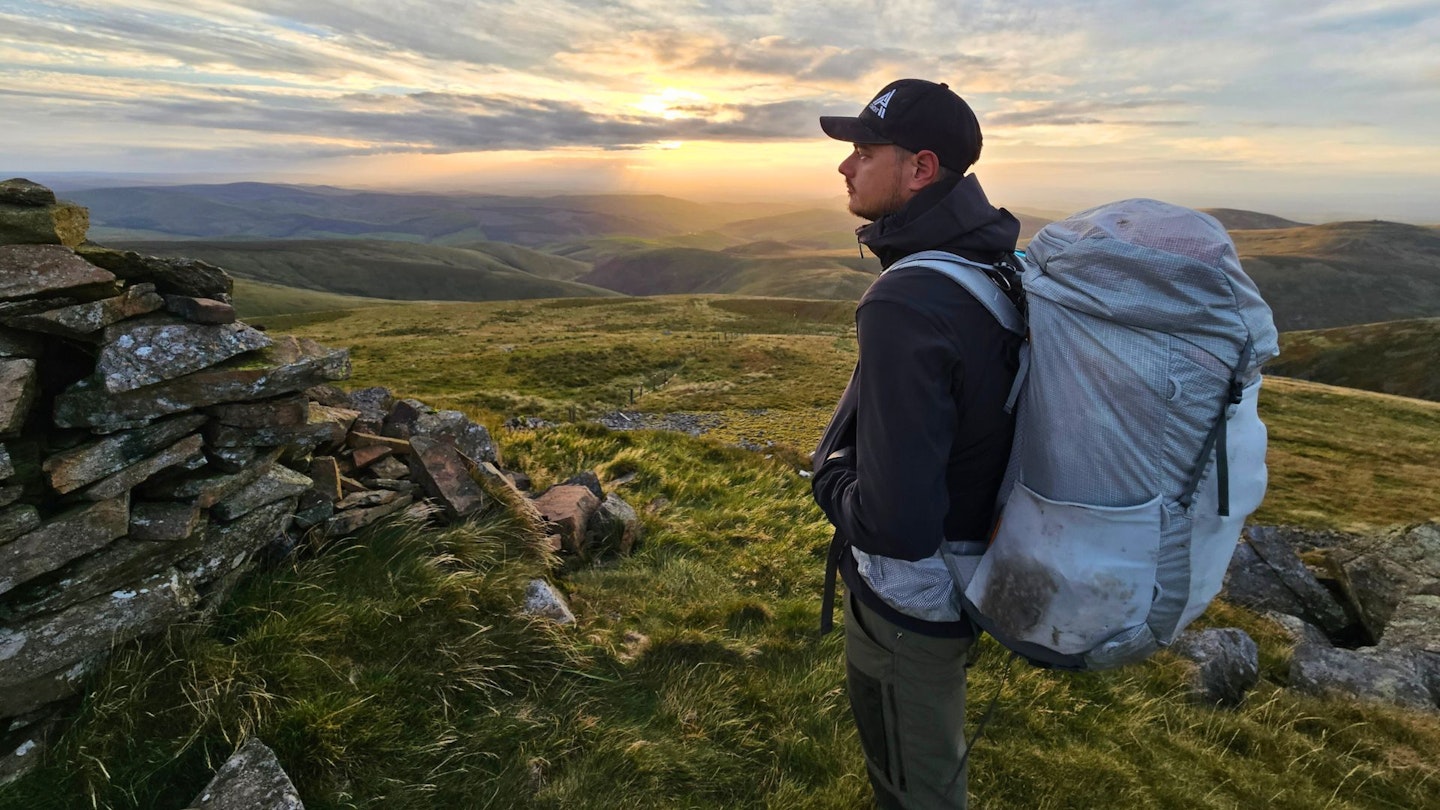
pixel 847 167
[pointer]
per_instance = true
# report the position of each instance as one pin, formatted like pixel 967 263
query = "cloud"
pixel 1078 113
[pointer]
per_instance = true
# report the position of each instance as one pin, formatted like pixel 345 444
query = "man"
pixel 918 445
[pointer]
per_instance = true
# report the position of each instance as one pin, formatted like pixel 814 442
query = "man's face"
pixel 874 178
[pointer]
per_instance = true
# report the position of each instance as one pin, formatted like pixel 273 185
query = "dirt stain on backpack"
pixel 1018 595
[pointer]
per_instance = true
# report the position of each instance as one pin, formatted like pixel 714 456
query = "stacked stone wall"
pixel 153 449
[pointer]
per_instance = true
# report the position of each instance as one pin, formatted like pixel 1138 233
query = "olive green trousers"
pixel 907 692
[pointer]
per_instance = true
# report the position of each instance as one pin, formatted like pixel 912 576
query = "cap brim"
pixel 850 130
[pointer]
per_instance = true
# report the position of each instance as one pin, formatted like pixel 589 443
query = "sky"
pixel 1306 108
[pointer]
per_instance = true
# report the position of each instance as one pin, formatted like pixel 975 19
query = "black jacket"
pixel 924 411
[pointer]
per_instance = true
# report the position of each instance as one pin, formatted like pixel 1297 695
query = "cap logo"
pixel 879 105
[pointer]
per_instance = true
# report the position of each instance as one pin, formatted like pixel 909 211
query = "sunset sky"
pixel 1308 108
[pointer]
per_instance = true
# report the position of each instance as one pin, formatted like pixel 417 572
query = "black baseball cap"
pixel 914 114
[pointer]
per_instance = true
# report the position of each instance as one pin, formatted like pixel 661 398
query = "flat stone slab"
pixel 200 310
pixel 147 351
pixel 27 696
pixel 30 270
pixel 7 467
pixel 325 475
pixel 291 410
pixel 17 520
pixel 367 499
pixel 208 490
pixel 440 471
pixel 72 469
pixel 24 745
pixel 47 643
pixel 226 436
pixel 17 393
pixel 11 494
pixel 80 321
pixel 60 223
pixel 388 467
pixel 61 539
pixel 1320 608
pixel 251 779
pixel 279 483
pixel 165 520
pixel 185 453
pixel 228 547
pixel 351 521
pixel 290 364
pixel 190 277
pixel 114 567
pixel 1415 623
pixel 363 457
pixel 15 343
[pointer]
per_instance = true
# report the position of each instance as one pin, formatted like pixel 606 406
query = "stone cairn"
pixel 154 449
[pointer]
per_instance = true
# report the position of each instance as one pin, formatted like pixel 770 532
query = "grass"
pixel 394 671
pixel 1394 357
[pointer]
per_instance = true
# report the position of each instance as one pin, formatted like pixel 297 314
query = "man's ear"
pixel 924 169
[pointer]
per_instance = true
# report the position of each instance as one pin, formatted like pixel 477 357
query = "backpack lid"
pixel 1156 266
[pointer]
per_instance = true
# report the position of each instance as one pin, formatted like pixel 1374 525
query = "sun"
pixel 673 103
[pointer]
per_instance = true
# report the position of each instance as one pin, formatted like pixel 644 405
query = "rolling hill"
pixel 1236 219
pixel 395 270
pixel 1396 357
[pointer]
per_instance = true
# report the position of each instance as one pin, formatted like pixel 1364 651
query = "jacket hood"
pixel 955 217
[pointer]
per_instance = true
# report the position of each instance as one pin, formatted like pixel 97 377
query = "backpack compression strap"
pixel 1215 440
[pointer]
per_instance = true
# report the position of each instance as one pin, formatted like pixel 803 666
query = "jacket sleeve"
pixel 889 496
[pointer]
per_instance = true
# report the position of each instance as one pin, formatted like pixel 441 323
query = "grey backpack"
pixel 1138 450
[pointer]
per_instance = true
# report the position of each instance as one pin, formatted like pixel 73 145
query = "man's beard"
pixel 883 208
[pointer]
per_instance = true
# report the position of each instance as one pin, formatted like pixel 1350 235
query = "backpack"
pixel 1138 450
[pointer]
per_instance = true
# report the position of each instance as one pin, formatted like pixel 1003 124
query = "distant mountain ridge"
pixel 1397 357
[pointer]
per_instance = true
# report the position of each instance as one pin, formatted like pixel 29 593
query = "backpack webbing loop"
pixel 1215 440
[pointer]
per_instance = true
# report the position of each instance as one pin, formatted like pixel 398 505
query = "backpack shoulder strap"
pixel 974 278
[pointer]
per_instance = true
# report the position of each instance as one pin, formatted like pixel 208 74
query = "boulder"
pixel 442 474
pixel 367 499
pixel 80 321
pixel 146 351
pixel 1415 624
pixel 1369 674
pixel 61 539
pixel 1265 574
pixel 341 420
pixel 1226 664
pixel 72 469
pixel 56 224
pixel 7 466
pixel 19 191
pixel 251 779
pixel 613 528
pixel 231 460
pixel 277 484
pixel 400 422
pixel 312 509
pixel 190 277
pixel 288 365
pixel 1377 574
pixel 187 452
pixel 452 427
pixel 587 479
pixel 567 509
pixel 18 386
pixel 10 494
pixel 1298 631
pixel 331 396
pixel 200 310
pixel 31 270
pixel 543 601
pixel 44 644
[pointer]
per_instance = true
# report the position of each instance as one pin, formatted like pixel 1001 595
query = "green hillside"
pixel 1396 357
pixel 255 299
pixel 393 672
pixel 1344 273
pixel 395 270
pixel 1236 219
pixel 668 271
